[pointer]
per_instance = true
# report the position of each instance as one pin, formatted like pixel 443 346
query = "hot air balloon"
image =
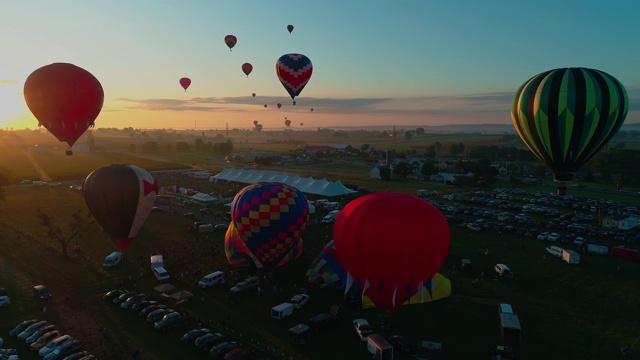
pixel 294 72
pixel 185 83
pixel 238 255
pixel 254 94
pixel 258 127
pixel 270 219
pixel 290 28
pixel 301 124
pixel 231 41
pixel 326 268
pixel 389 261
pixel 65 99
pixel 287 123
pixel 265 106
pixel 565 116
pixel 311 109
pixel 120 197
pixel 279 105
pixel 247 68
pixel 255 122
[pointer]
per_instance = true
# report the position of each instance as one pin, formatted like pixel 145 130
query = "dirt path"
pixel 43 174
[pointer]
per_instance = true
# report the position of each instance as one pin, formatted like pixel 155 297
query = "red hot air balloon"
pixel 390 261
pixel 265 106
pixel 65 99
pixel 231 41
pixel 294 72
pixel 120 197
pixel 290 28
pixel 255 122
pixel 185 83
pixel 247 68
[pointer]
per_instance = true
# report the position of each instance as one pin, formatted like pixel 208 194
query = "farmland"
pixel 579 312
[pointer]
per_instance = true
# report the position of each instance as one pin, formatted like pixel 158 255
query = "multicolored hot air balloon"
pixel 565 116
pixel 294 72
pixel 185 82
pixel 247 68
pixel 65 99
pixel 120 197
pixel 290 28
pixel 326 269
pixel 270 218
pixel 238 254
pixel 231 41
pixel 393 259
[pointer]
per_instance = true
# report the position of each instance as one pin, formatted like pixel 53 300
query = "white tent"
pixel 307 185
pixel 202 197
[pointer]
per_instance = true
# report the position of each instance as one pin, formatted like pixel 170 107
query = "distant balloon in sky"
pixel 255 122
pixel 565 116
pixel 290 28
pixel 265 106
pixel 231 41
pixel 287 122
pixel 120 198
pixel 185 83
pixel 65 99
pixel 301 124
pixel 311 109
pixel 294 72
pixel 279 105
pixel 247 68
pixel 254 94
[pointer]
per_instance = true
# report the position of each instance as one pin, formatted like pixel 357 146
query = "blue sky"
pixel 375 62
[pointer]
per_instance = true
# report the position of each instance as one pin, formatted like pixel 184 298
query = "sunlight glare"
pixel 12 105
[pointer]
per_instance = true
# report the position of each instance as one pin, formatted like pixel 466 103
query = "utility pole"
pixel 227 131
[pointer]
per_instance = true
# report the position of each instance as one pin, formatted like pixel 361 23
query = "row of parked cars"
pixel 47 340
pixel 217 345
pixel 162 317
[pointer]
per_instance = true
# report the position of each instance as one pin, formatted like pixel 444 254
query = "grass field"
pixel 567 312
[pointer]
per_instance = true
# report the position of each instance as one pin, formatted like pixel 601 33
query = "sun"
pixel 12 105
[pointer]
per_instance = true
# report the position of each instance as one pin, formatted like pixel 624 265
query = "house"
pixel 346 148
pixel 623 222
pixel 375 173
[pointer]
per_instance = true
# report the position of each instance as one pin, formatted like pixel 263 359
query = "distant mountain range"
pixel 461 128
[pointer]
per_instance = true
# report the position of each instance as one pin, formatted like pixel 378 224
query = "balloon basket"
pixel 561 189
pixel 69 152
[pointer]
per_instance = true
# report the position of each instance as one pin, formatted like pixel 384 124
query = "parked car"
pixel 299 300
pixel 401 344
pixel 553 237
pixel 53 344
pixel 123 297
pixel 158 314
pixel 208 340
pixel 132 300
pixel 20 327
pixel 63 350
pixel 206 211
pixel 77 356
pixel 189 215
pixel 43 330
pixel 171 320
pixel 44 339
pixel 151 308
pixel 543 236
pixel 363 329
pixel 192 335
pixel 241 353
pixel 111 295
pixel 42 292
pixel 137 307
pixel 249 283
pixel 4 301
pixel 218 351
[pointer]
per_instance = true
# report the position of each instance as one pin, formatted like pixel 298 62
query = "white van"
pixel 112 260
pixel 555 251
pixel 161 274
pixel 503 270
pixel 379 347
pixel 281 311
pixel 156 261
pixel 214 278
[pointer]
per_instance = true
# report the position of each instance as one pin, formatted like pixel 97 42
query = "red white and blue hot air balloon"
pixel 294 72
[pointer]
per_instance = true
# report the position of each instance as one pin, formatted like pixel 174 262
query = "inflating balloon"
pixel 565 116
pixel 399 255
pixel 231 41
pixel 247 68
pixel 65 99
pixel 120 198
pixel 270 219
pixel 185 83
pixel 326 269
pixel 294 72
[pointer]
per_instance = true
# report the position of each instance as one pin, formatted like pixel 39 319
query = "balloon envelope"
pixel 294 72
pixel 565 116
pixel 65 99
pixel 290 28
pixel 270 218
pixel 326 269
pixel 247 68
pixel 254 94
pixel 287 122
pixel 231 41
pixel 185 82
pixel 120 198
pixel 391 243
pixel 279 105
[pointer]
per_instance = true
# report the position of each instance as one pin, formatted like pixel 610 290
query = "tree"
pixel 132 147
pixel 438 146
pixel 403 169
pixel 430 153
pixel 149 146
pixel 364 148
pixel 457 149
pixel 199 144
pixel 419 131
pixel 428 168
pixel 182 146
pixel 78 224
pixel 408 134
pixel 385 173
pixel 5 179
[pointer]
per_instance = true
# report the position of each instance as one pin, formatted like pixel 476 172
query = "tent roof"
pixel 181 295
pixel 307 185
pixel 203 197
pixel 164 288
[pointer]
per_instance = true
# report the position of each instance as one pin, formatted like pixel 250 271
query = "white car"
pixel 55 184
pixel 299 300
pixel 4 301
pixel 543 236
pixel 363 329
pixel 553 237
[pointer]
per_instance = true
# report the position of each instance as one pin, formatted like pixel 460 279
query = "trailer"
pixel 625 253
pixel 510 329
pixel 570 257
pixel 597 249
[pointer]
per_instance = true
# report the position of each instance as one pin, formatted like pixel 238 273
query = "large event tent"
pixel 307 185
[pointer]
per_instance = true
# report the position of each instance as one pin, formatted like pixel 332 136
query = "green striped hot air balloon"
pixel 565 116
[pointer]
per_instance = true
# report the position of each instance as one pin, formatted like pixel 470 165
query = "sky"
pixel 375 62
